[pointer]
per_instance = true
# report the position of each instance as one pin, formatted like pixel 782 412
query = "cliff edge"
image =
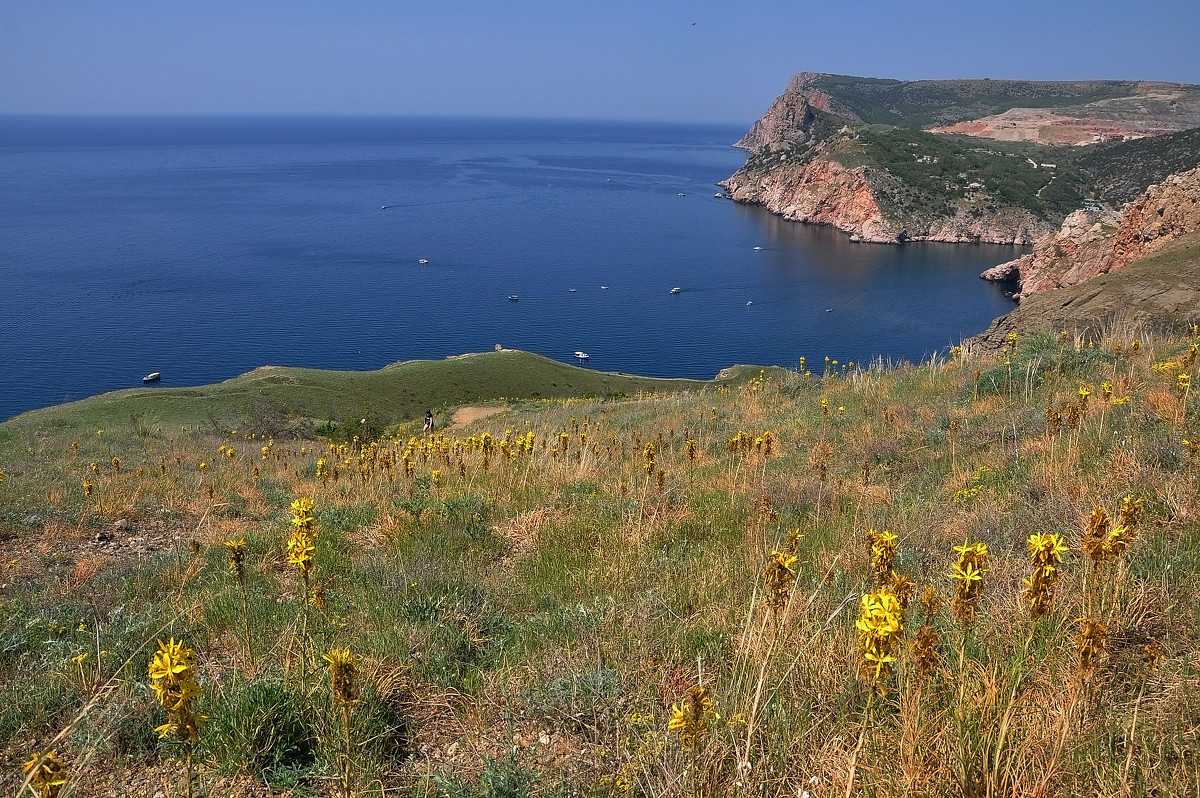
pixel 891 161
pixel 1098 241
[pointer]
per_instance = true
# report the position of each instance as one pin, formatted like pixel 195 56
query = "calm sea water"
pixel 202 248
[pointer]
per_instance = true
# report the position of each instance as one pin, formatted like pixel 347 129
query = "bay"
pixel 205 247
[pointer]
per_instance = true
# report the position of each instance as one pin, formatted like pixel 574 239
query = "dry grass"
pixel 535 616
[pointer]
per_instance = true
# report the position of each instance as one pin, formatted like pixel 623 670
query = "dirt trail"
pixel 465 415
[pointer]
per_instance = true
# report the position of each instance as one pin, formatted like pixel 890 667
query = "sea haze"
pixel 202 248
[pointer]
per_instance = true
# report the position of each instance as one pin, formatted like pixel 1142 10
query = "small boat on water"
pixel 153 376
pixel 682 194
pixel 676 290
pixel 582 355
pixel 604 287
pixel 513 297
pixel 423 262
pixel 572 290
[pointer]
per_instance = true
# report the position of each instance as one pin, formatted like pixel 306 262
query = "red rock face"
pixel 782 127
pixel 821 192
pixel 824 192
pixel 1092 244
pixel 1165 212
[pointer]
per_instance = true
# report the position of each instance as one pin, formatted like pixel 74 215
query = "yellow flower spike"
pixel 343 668
pixel 47 774
pixel 690 718
pixel 237 557
pixel 301 551
pixel 174 683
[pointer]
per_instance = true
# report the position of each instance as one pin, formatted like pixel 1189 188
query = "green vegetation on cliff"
pixel 1001 182
pixel 1118 172
pixel 939 172
pixel 929 103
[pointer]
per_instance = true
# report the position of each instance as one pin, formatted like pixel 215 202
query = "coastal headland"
pixel 995 161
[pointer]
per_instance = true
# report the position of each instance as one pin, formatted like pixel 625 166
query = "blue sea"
pixel 204 247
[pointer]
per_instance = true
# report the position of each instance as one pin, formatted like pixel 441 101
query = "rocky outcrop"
pixel 1164 213
pixel 786 125
pixel 822 191
pixel 1090 244
pixel 819 192
pixel 1160 293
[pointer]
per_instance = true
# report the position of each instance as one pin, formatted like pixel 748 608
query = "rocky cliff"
pixel 859 154
pixel 786 124
pixel 1158 293
pixel 819 190
pixel 1092 243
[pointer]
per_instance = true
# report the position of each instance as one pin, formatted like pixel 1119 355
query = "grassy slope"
pixel 529 620
pixel 1119 172
pixel 398 392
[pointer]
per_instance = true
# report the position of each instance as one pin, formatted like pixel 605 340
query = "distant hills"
pixel 962 160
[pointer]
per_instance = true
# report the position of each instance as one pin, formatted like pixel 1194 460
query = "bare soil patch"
pixel 465 415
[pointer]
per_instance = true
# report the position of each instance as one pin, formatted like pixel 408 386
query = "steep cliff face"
pixel 1160 292
pixel 822 191
pixel 806 166
pixel 786 125
pixel 1164 213
pixel 818 192
pixel 1090 244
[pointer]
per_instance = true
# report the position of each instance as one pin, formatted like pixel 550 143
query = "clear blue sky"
pixel 702 60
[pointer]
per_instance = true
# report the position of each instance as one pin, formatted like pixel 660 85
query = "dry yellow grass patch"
pixel 522 530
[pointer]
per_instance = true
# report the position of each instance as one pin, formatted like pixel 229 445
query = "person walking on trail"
pixel 429 421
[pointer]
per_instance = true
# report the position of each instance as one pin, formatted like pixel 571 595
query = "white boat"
pixel 423 262
pixel 676 290
pixel 153 376
pixel 605 287
pixel 513 297
pixel 682 194
pixel 748 304
pixel 718 195
pixel 757 249
pixel 582 355
pixel 572 290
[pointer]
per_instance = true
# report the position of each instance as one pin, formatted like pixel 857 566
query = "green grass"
pixel 530 621
pixel 275 400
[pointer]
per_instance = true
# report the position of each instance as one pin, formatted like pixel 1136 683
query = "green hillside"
pixel 929 103
pixel 1118 172
pixel 276 400
pixel 975 577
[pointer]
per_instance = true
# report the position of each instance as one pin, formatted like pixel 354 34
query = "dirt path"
pixel 465 415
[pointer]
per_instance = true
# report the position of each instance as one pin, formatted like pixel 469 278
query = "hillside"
pixel 275 400
pixel 1030 110
pixel 860 155
pixel 1159 292
pixel 974 577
